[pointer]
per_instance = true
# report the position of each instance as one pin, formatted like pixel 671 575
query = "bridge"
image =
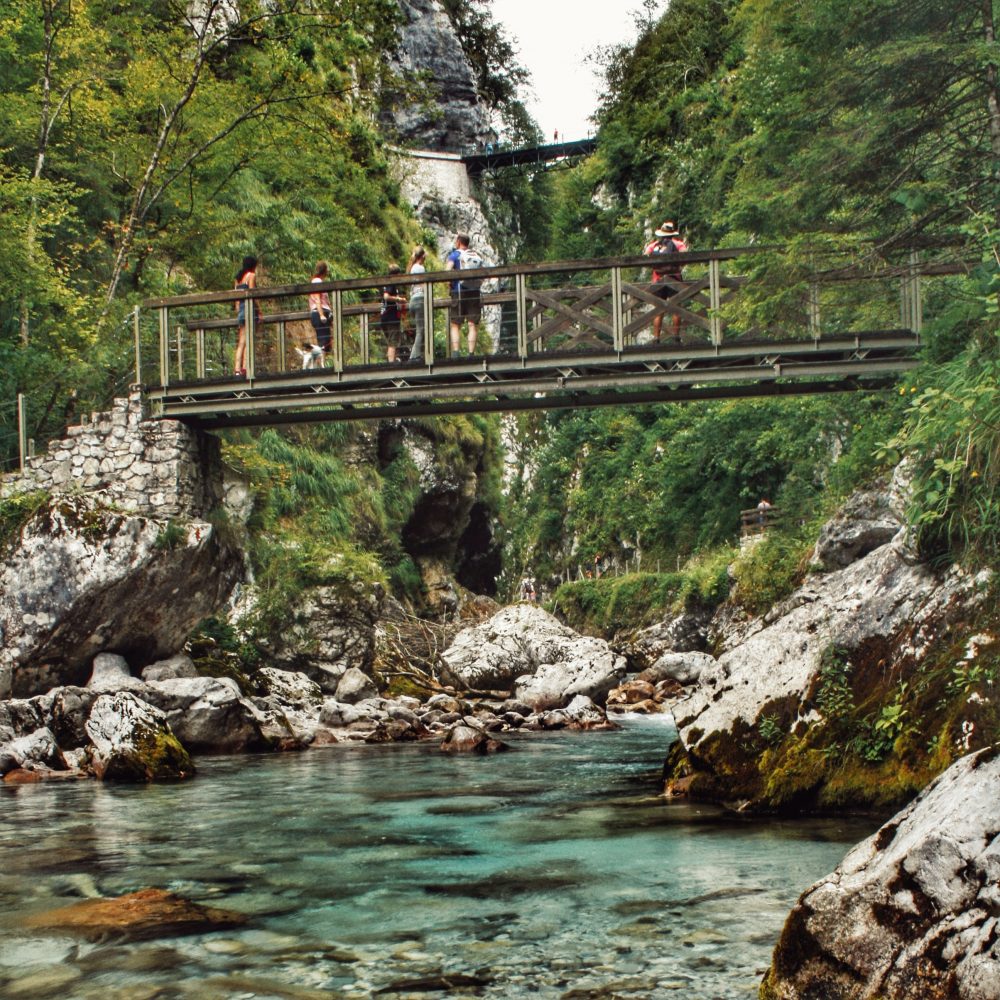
pixel 555 334
pixel 497 158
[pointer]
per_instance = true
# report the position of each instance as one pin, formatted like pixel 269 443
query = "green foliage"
pixel 834 696
pixel 952 439
pixel 770 731
pixel 171 535
pixel 17 510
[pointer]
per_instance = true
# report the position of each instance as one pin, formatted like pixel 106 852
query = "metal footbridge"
pixel 733 324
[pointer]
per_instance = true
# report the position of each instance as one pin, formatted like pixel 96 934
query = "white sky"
pixel 554 37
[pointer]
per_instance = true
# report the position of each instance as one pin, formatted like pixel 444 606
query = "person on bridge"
pixel 466 300
pixel 391 316
pixel 416 266
pixel 246 278
pixel 666 242
pixel 320 312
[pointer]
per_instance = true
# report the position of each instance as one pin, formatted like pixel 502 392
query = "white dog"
pixel 312 356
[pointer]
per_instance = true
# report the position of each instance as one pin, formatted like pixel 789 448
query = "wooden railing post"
pixel 22 430
pixel 521 303
pixel 428 307
pixel 617 320
pixel 715 301
pixel 813 311
pixel 364 330
pixel 282 347
pixel 179 334
pixel 164 345
pixel 199 352
pixel 250 322
pixel 911 298
pixel 138 346
pixel 337 302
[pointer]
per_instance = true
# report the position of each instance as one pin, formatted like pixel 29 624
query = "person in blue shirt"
pixel 466 300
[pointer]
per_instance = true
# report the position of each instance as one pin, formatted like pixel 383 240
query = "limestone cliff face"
pixel 451 116
pixel 436 126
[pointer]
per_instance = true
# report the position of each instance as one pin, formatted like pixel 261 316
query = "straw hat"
pixel 667 229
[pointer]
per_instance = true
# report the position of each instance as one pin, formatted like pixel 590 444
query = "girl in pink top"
pixel 319 307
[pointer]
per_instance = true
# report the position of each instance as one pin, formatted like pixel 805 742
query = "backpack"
pixel 469 260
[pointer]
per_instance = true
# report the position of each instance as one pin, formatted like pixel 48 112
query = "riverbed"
pixel 551 871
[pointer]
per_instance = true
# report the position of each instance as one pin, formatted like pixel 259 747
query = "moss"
pixel 791 775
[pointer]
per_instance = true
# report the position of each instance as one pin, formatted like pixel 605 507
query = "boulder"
pixel 355 686
pixel 111 673
pixel 468 739
pixel 35 751
pixel 180 665
pixel 580 713
pixel 683 633
pixel 525 646
pixel 208 714
pixel 768 667
pixel 132 741
pixel 288 688
pixel 593 673
pixel 85 578
pixel 685 668
pixel 913 911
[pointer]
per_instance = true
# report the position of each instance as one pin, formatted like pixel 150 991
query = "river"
pixel 552 871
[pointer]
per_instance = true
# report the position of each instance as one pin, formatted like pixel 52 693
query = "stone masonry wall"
pixel 157 468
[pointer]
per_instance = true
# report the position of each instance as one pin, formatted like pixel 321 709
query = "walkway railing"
pixel 591 322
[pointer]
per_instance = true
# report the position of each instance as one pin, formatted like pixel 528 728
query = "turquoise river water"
pixel 552 871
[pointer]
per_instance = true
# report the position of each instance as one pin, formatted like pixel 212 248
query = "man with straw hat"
pixel 666 242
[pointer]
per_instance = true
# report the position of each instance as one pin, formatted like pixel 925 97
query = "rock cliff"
pixel 858 665
pixel 913 911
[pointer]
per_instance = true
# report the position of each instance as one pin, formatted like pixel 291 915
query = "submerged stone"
pixel 149 913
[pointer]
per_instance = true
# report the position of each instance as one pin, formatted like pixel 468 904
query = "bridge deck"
pixel 556 334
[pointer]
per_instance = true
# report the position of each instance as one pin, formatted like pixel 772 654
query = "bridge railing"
pixel 609 308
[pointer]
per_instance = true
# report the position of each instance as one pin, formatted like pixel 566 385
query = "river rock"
pixel 85 578
pixel 355 686
pixel 580 713
pixel 592 671
pixel 332 630
pixel 180 665
pixel 911 912
pixel 35 751
pixel 208 714
pixel 469 739
pixel 525 646
pixel 288 688
pixel 111 673
pixel 132 741
pixel 147 914
pixel 685 668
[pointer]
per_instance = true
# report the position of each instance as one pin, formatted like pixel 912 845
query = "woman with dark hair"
pixel 246 278
pixel 320 312
pixel 391 316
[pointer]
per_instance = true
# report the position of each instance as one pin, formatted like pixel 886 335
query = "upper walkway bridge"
pixel 554 334
pixel 497 157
